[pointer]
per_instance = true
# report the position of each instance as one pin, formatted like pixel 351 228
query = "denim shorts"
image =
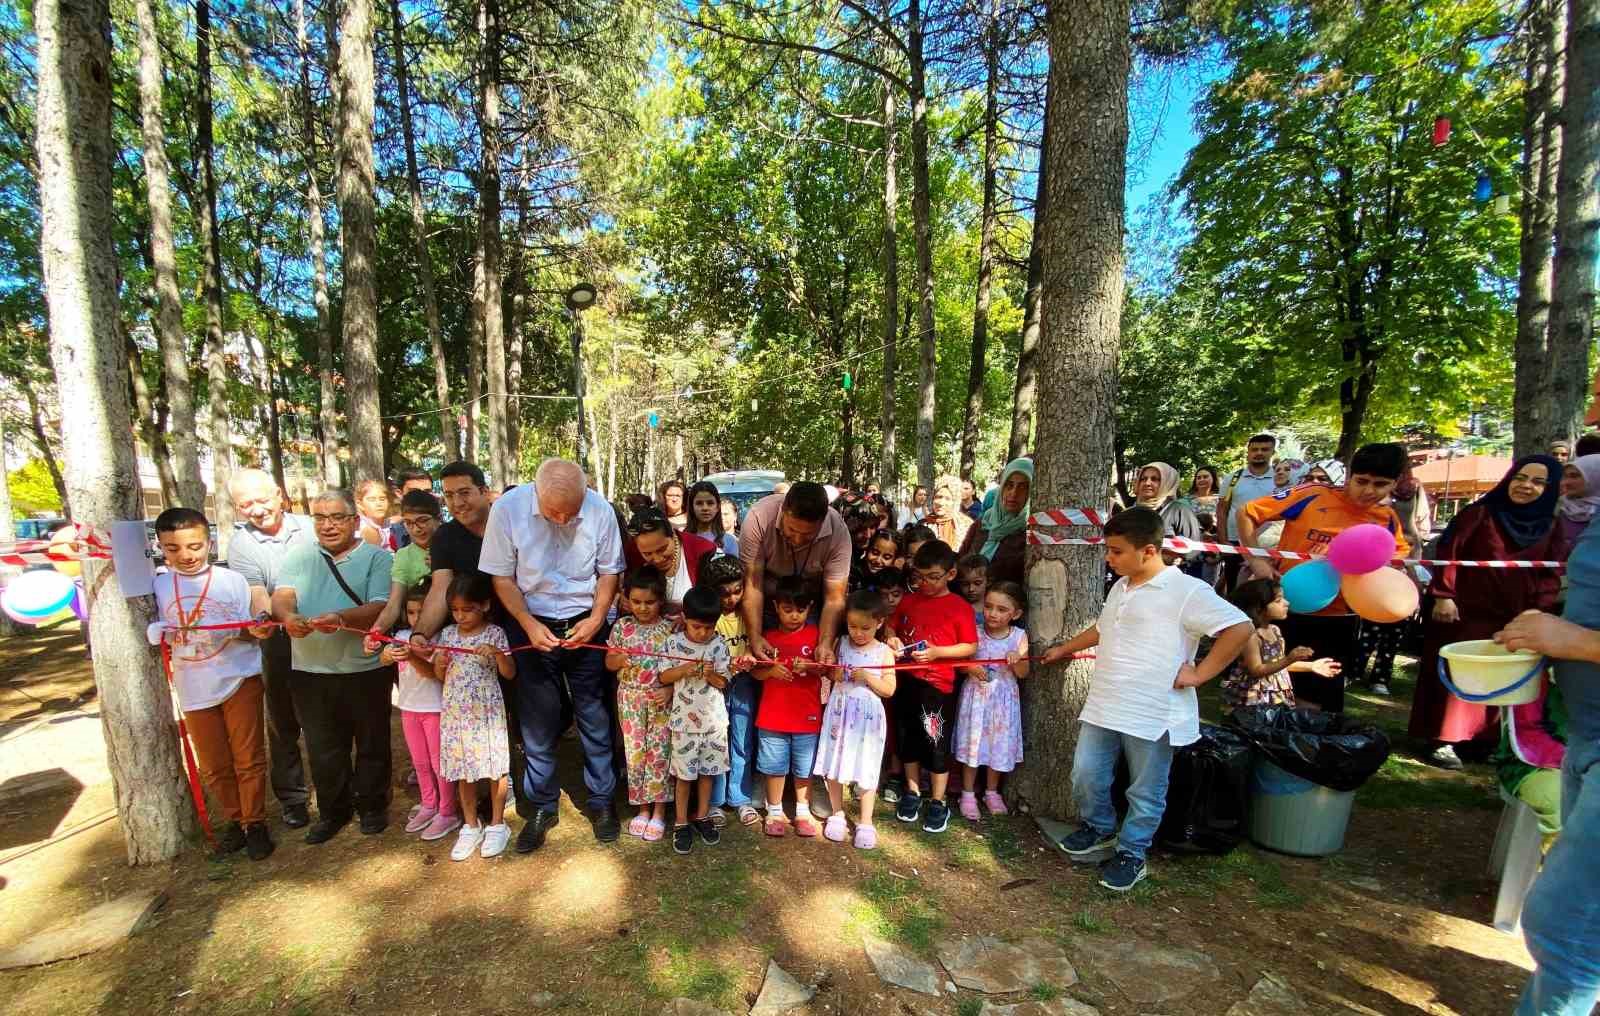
pixel 781 754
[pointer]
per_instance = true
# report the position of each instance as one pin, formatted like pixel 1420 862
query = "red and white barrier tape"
pixel 1183 546
pixel 27 552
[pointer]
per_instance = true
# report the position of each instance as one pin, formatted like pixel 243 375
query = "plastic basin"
pixel 1487 673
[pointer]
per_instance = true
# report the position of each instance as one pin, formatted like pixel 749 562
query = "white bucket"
pixel 1486 673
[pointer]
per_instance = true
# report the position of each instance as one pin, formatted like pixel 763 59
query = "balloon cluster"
pixel 1356 567
pixel 38 596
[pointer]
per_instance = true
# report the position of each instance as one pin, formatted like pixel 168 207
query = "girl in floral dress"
pixel 473 745
pixel 644 704
pixel 989 723
pixel 1260 676
pixel 850 749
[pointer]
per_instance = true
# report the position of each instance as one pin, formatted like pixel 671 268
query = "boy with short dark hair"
pixel 972 578
pixel 932 626
pixel 699 715
pixel 217 675
pixel 790 715
pixel 725 575
pixel 1141 702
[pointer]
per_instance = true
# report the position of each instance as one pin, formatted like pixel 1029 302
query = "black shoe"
pixel 230 839
pixel 325 829
pixel 374 822
pixel 607 827
pixel 937 817
pixel 533 833
pixel 708 831
pixel 1087 845
pixel 889 793
pixel 257 844
pixel 295 816
pixel 682 839
pixel 1122 872
pixel 910 807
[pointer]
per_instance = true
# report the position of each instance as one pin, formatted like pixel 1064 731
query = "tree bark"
pixel 516 343
pixel 1577 233
pixel 155 436
pixel 493 325
pixel 1022 405
pixel 357 193
pixel 419 227
pixel 922 225
pixel 1083 287
pixel 86 348
pixel 7 524
pixel 469 447
pixel 888 467
pixel 211 256
pixel 980 311
pixel 178 391
pixel 327 404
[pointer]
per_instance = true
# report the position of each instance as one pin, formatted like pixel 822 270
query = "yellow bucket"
pixel 1484 672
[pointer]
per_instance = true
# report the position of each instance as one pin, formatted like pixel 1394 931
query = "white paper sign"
pixel 136 573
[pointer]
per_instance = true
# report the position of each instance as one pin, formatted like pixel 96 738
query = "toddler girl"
pixel 643 702
pixel 420 698
pixel 989 720
pixel 1260 676
pixel 473 744
pixel 854 726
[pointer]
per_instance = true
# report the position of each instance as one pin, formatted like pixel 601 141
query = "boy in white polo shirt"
pixel 1142 702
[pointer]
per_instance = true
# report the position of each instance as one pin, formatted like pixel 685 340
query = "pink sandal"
pixel 834 829
pixel 636 827
pixel 866 837
pixel 969 807
pixel 654 830
pixel 776 827
pixel 995 803
pixel 805 826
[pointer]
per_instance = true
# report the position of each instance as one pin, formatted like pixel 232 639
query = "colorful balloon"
pixel 1383 596
pixel 35 595
pixel 1310 587
pixel 80 608
pixel 1361 549
pixel 61 543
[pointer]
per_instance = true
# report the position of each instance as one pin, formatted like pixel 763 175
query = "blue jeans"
pixel 1561 917
pixel 1094 767
pixel 538 683
pixel 783 754
pixel 736 787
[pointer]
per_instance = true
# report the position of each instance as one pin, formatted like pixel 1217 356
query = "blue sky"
pixel 1161 132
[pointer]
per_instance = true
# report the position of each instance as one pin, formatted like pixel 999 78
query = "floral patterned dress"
pixel 1240 689
pixel 646 733
pixel 854 727
pixel 989 723
pixel 472 723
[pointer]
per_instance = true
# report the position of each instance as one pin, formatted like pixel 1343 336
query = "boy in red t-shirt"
pixel 937 625
pixel 790 715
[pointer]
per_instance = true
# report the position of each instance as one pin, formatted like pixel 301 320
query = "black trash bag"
pixel 1328 749
pixel 1208 793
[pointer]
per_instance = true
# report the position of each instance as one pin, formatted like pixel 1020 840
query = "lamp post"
pixel 579 299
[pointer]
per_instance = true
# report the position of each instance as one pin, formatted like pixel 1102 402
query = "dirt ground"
pixel 1396 923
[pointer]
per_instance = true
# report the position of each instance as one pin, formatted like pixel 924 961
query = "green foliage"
pixel 32 490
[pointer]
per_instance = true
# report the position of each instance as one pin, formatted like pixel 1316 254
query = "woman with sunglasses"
pixel 651 539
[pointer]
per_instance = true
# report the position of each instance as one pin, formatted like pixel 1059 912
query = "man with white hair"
pixel 555 551
pixel 262 537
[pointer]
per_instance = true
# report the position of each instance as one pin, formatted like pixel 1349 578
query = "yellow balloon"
pixel 60 543
pixel 1382 596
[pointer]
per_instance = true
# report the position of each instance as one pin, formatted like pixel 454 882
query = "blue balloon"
pixel 1484 188
pixel 1310 587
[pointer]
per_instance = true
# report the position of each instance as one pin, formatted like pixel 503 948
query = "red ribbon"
pixel 189 765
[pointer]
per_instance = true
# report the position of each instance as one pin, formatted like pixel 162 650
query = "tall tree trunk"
pixel 419 228
pixel 357 193
pixel 86 347
pixel 1083 285
pixel 922 225
pixel 155 437
pixel 1577 253
pixel 274 424
pixel 980 310
pixel 327 412
pixel 211 256
pixel 469 447
pixel 1032 306
pixel 888 471
pixel 847 431
pixel 1534 425
pixel 178 391
pixel 7 523
pixel 41 437
pixel 494 339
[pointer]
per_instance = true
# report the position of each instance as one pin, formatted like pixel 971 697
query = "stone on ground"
pixel 987 964
pixel 897 967
pixel 1147 972
pixel 107 924
pixel 1066 1005
pixel 1053 830
pixel 1271 996
pixel 695 1007
pixel 780 992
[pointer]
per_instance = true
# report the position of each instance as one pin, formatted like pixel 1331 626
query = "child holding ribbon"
pixel 854 726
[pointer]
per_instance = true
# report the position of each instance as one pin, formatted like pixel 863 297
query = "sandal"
pixel 969 807
pixel 866 837
pixel 636 827
pixel 834 829
pixel 805 826
pixel 776 826
pixel 748 816
pixel 995 803
pixel 654 830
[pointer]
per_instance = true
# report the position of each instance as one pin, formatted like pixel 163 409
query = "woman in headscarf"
pixel 1287 473
pixel 1515 520
pixel 1001 534
pixel 945 517
pixel 1580 496
pixel 1156 488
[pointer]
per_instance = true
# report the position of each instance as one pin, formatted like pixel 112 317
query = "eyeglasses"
pixel 332 520
pixel 425 522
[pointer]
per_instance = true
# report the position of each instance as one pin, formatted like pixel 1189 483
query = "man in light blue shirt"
pixel 1239 488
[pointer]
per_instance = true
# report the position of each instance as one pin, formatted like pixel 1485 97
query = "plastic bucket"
pixel 1295 816
pixel 1484 672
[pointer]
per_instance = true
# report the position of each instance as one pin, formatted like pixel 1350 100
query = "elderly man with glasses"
pixel 329 593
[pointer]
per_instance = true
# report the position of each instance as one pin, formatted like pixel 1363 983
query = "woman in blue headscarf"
pixel 1514 520
pixel 1001 532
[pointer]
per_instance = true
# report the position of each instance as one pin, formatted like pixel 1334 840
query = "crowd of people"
pixel 716 665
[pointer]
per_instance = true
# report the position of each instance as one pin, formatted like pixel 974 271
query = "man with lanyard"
pixel 795 534
pixel 261 539
pixel 329 593
pixel 555 551
pixel 1239 488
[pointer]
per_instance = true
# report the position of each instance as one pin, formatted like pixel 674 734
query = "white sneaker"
pixel 495 838
pixel 467 841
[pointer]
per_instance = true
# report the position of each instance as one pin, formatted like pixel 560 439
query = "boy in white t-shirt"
pixel 1141 702
pixel 217 675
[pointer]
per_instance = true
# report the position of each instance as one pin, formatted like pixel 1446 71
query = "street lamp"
pixel 579 299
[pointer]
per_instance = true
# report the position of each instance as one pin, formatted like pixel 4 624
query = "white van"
pixel 744 487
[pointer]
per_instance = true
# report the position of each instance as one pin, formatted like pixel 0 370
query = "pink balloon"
pixel 1361 549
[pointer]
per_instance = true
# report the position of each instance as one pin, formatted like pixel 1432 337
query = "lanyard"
pixel 192 618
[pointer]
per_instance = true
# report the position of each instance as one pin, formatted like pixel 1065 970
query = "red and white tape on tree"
pixel 88 544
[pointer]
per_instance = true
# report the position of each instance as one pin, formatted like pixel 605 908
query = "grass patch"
pixel 897 910
pixel 1090 923
pixel 969 1007
pixel 686 975
pixel 708 901
pixel 1044 993
pixel 1404 782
